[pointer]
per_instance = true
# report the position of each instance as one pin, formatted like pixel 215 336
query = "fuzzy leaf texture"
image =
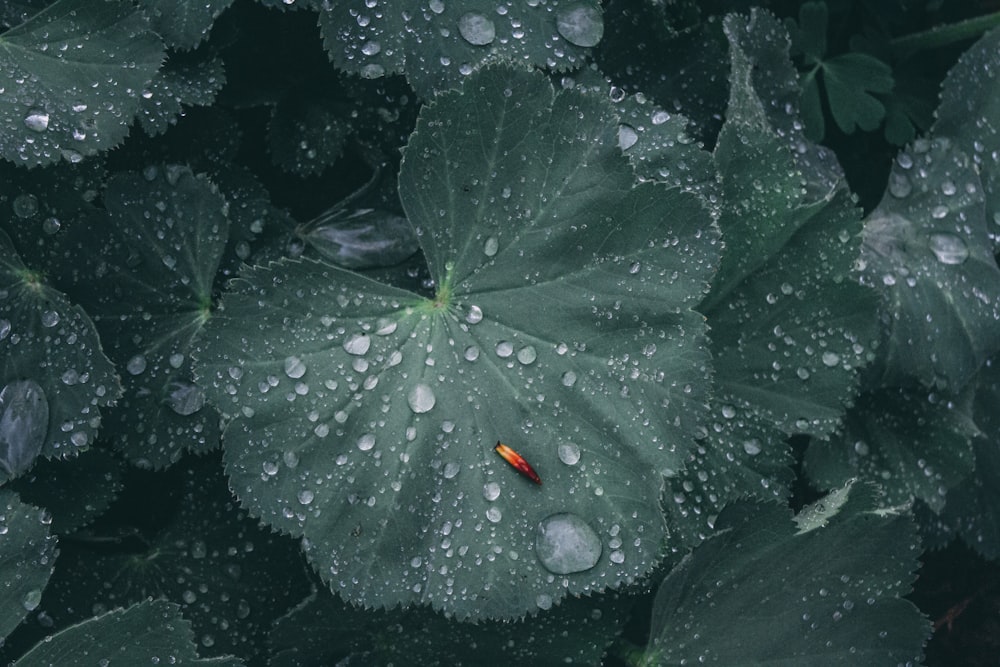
pixel 365 416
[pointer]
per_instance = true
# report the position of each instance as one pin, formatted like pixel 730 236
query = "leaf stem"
pixel 944 35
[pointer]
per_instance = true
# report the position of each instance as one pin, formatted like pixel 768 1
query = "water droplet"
pixel 306 496
pixel 294 367
pixel 752 446
pixel 471 353
pixel 627 136
pixel 31 599
pixel 436 6
pixel 366 442
pixel 565 544
pixel 371 48
pixel 476 29
pixel 475 315
pixel 569 379
pixel 49 318
pixel 569 453
pixel 527 355
pixel 24 423
pixel 36 121
pixel 25 205
pixel 372 71
pixel 451 469
pixel 830 359
pixel 4 329
pixel 357 344
pixel 421 398
pixel 136 365
pixel 491 491
pixel 494 514
pixel 504 349
pixel 948 248
pixel 186 398
pixel 544 601
pixel 491 246
pixel 581 25
pixel 51 225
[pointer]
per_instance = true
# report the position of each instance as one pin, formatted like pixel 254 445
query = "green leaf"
pixel 27 553
pixel 182 24
pixel 150 292
pixel 810 38
pixel 52 371
pixel 183 81
pixel 926 249
pixel 75 491
pixel 230 577
pixel 439 47
pixel 850 80
pixel 308 133
pixel 69 94
pixel 366 416
pixel 970 105
pixel 146 633
pixel 913 445
pixel 761 592
pixel 325 631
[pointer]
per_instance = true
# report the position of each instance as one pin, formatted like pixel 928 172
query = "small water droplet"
pixel 37 121
pixel 421 398
pixel 371 48
pixel 830 359
pixel 580 24
pixel 491 246
pixel 494 514
pixel 476 29
pixel 136 365
pixel 544 601
pixel 31 599
pixel 569 453
pixel 627 136
pixel 186 398
pixel 752 446
pixel 357 344
pixel 475 315
pixel 569 379
pixel 948 248
pixel 451 469
pixel 306 496
pixel 565 543
pixel 294 367
pixel 25 205
pixel 471 353
pixel 50 318
pixel 491 491
pixel 366 442
pixel 504 349
pixel 527 355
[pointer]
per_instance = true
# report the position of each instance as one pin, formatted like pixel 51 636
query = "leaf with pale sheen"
pixel 365 416
pixel 69 94
pixel 763 591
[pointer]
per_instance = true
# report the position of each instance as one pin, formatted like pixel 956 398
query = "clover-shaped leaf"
pixel 437 46
pixel 73 74
pixel 189 80
pixel 365 416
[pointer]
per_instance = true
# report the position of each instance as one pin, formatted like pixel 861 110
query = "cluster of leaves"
pixel 255 360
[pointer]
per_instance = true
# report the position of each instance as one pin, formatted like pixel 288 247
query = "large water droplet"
pixel 37 121
pixel 294 367
pixel 491 246
pixel 527 355
pixel 136 365
pixel 948 248
pixel 476 29
pixel 186 398
pixel 366 442
pixel 580 24
pixel 357 344
pixel 24 423
pixel 569 453
pixel 421 398
pixel 491 491
pixel 565 544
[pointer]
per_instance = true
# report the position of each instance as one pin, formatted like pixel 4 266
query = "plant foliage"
pixel 257 361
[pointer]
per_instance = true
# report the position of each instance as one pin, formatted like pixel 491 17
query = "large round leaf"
pixel 366 416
